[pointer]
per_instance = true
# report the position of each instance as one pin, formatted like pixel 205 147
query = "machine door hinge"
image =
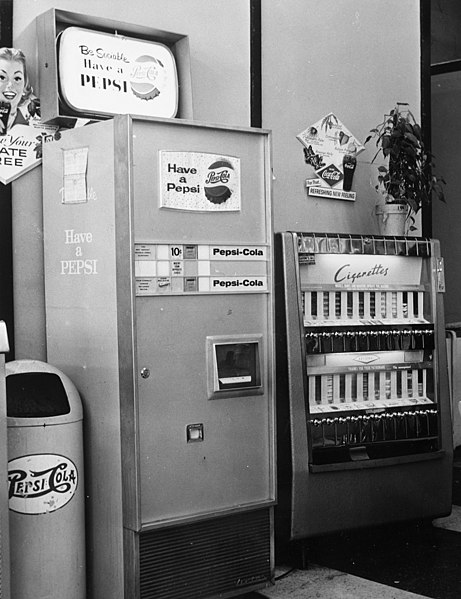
pixel 440 275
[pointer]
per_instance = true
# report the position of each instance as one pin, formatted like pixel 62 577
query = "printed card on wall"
pixel 21 149
pixel 331 150
pixel 199 181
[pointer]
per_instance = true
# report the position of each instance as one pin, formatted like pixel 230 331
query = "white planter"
pixel 392 219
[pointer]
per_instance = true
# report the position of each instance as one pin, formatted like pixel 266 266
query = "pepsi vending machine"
pixel 363 409
pixel 159 307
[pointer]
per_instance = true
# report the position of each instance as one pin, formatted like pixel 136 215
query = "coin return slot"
pixel 194 433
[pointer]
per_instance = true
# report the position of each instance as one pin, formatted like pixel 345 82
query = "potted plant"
pixel 405 180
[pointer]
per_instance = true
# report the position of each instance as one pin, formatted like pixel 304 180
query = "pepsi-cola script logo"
pixel 217 183
pixel 331 175
pixel 41 483
pixel 147 75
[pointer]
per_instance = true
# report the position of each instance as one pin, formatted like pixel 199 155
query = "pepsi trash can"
pixel 45 483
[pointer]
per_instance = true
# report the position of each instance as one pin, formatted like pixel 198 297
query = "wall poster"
pixel 22 133
pixel 331 150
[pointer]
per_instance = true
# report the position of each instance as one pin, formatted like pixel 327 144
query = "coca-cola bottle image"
pixel 349 164
pixel 5 108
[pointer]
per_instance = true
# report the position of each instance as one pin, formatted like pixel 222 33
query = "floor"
pixel 408 562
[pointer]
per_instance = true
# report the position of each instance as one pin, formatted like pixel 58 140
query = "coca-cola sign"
pixel 331 175
pixel 41 483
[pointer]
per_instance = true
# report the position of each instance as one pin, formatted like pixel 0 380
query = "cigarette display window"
pixel 362 374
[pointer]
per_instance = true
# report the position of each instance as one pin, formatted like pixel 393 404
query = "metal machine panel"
pixel 82 327
pixel 231 464
pixel 247 225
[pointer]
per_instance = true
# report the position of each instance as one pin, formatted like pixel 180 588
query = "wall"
pixel 219 39
pixel 445 31
pixel 353 58
pixel 446 217
pixel 446 131
pixel 218 35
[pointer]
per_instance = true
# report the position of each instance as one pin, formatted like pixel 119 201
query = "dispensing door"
pixel 203 320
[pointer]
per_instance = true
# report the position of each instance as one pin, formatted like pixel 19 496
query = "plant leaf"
pixel 412 138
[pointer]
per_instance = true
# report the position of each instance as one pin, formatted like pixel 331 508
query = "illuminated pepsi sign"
pixel 101 73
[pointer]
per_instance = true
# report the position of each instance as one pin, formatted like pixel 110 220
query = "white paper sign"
pixel 199 181
pixel 75 166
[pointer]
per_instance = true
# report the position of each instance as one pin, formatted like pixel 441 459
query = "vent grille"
pixel 207 558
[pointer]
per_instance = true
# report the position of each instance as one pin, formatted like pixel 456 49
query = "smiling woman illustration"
pixel 17 102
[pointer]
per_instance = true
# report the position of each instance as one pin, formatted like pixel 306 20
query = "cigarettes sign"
pixel 363 271
pixel 112 74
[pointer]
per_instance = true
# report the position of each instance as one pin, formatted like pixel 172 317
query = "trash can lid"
pixel 38 394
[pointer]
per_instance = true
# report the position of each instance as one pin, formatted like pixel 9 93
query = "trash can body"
pixel 46 487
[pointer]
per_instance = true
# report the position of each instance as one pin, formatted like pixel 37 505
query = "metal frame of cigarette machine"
pixel 159 307
pixel 363 411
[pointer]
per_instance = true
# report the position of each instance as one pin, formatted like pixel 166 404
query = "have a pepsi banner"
pixel 199 181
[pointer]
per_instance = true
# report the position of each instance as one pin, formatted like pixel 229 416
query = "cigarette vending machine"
pixel 363 407
pixel 158 276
